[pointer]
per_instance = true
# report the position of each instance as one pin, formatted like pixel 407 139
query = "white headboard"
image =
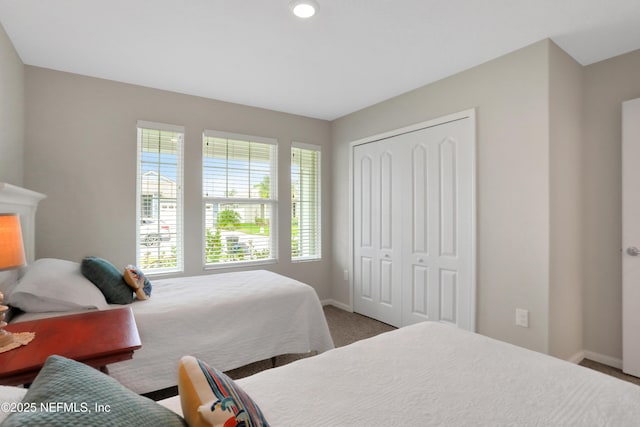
pixel 24 202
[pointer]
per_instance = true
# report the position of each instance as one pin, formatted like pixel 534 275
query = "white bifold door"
pixel 413 226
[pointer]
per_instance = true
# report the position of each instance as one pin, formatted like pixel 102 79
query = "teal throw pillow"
pixel 68 393
pixel 108 279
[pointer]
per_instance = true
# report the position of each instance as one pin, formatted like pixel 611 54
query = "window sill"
pixel 238 264
pixel 310 259
pixel 164 273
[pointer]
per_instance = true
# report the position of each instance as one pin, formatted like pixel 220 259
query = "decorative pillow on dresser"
pixel 55 285
pixel 108 279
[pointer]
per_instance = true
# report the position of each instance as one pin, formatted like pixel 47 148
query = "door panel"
pixel 366 278
pixel 419 299
pixel 448 291
pixel 366 202
pixel 377 290
pixel 420 199
pixel 448 198
pixel 444 204
pixel 418 303
pixel 386 282
pixel 386 201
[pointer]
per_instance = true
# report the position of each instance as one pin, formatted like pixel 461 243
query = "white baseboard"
pixel 596 357
pixel 576 358
pixel 601 358
pixel 337 304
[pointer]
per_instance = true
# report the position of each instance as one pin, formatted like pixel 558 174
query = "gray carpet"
pixel 345 328
pixel 614 372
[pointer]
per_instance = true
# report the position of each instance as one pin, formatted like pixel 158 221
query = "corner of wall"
pixel 566 258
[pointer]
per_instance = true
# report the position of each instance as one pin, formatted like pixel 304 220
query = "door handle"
pixel 633 251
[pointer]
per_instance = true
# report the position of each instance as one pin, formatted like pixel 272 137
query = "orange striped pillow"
pixel 210 398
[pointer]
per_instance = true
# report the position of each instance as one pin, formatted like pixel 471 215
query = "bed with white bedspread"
pixel 230 319
pixel 431 374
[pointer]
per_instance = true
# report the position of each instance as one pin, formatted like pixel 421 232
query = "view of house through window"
pixel 239 198
pixel 159 190
pixel 305 202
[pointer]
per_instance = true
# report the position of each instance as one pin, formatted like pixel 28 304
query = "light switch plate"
pixel 522 317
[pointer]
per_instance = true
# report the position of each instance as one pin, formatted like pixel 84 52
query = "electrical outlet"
pixel 345 275
pixel 522 317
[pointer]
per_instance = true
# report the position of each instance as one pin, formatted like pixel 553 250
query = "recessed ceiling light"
pixel 303 8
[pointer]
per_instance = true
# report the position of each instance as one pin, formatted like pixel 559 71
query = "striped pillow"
pixel 210 398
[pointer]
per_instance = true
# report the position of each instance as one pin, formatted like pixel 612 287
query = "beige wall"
pixel 11 112
pixel 511 96
pixel 81 152
pixel 606 85
pixel 565 155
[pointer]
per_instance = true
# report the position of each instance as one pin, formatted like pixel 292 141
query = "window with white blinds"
pixel 239 198
pixel 159 236
pixel 305 202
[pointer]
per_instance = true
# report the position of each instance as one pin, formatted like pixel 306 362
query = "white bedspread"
pixel 228 319
pixel 431 374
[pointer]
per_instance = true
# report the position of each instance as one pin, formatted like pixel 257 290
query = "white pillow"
pixel 55 285
pixel 9 395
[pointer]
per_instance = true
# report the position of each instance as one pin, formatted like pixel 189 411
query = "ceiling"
pixel 352 54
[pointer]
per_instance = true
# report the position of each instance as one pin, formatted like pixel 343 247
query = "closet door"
pixel 377 231
pixel 437 216
pixel 413 226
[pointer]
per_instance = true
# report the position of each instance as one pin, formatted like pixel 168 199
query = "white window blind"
pixel 239 198
pixel 305 202
pixel 159 198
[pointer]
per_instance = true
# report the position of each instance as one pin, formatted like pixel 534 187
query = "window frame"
pixel 318 190
pixel 272 201
pixel 179 200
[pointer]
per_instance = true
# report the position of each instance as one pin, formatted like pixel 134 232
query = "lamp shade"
pixel 11 247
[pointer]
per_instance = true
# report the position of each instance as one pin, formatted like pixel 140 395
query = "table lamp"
pixel 11 256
